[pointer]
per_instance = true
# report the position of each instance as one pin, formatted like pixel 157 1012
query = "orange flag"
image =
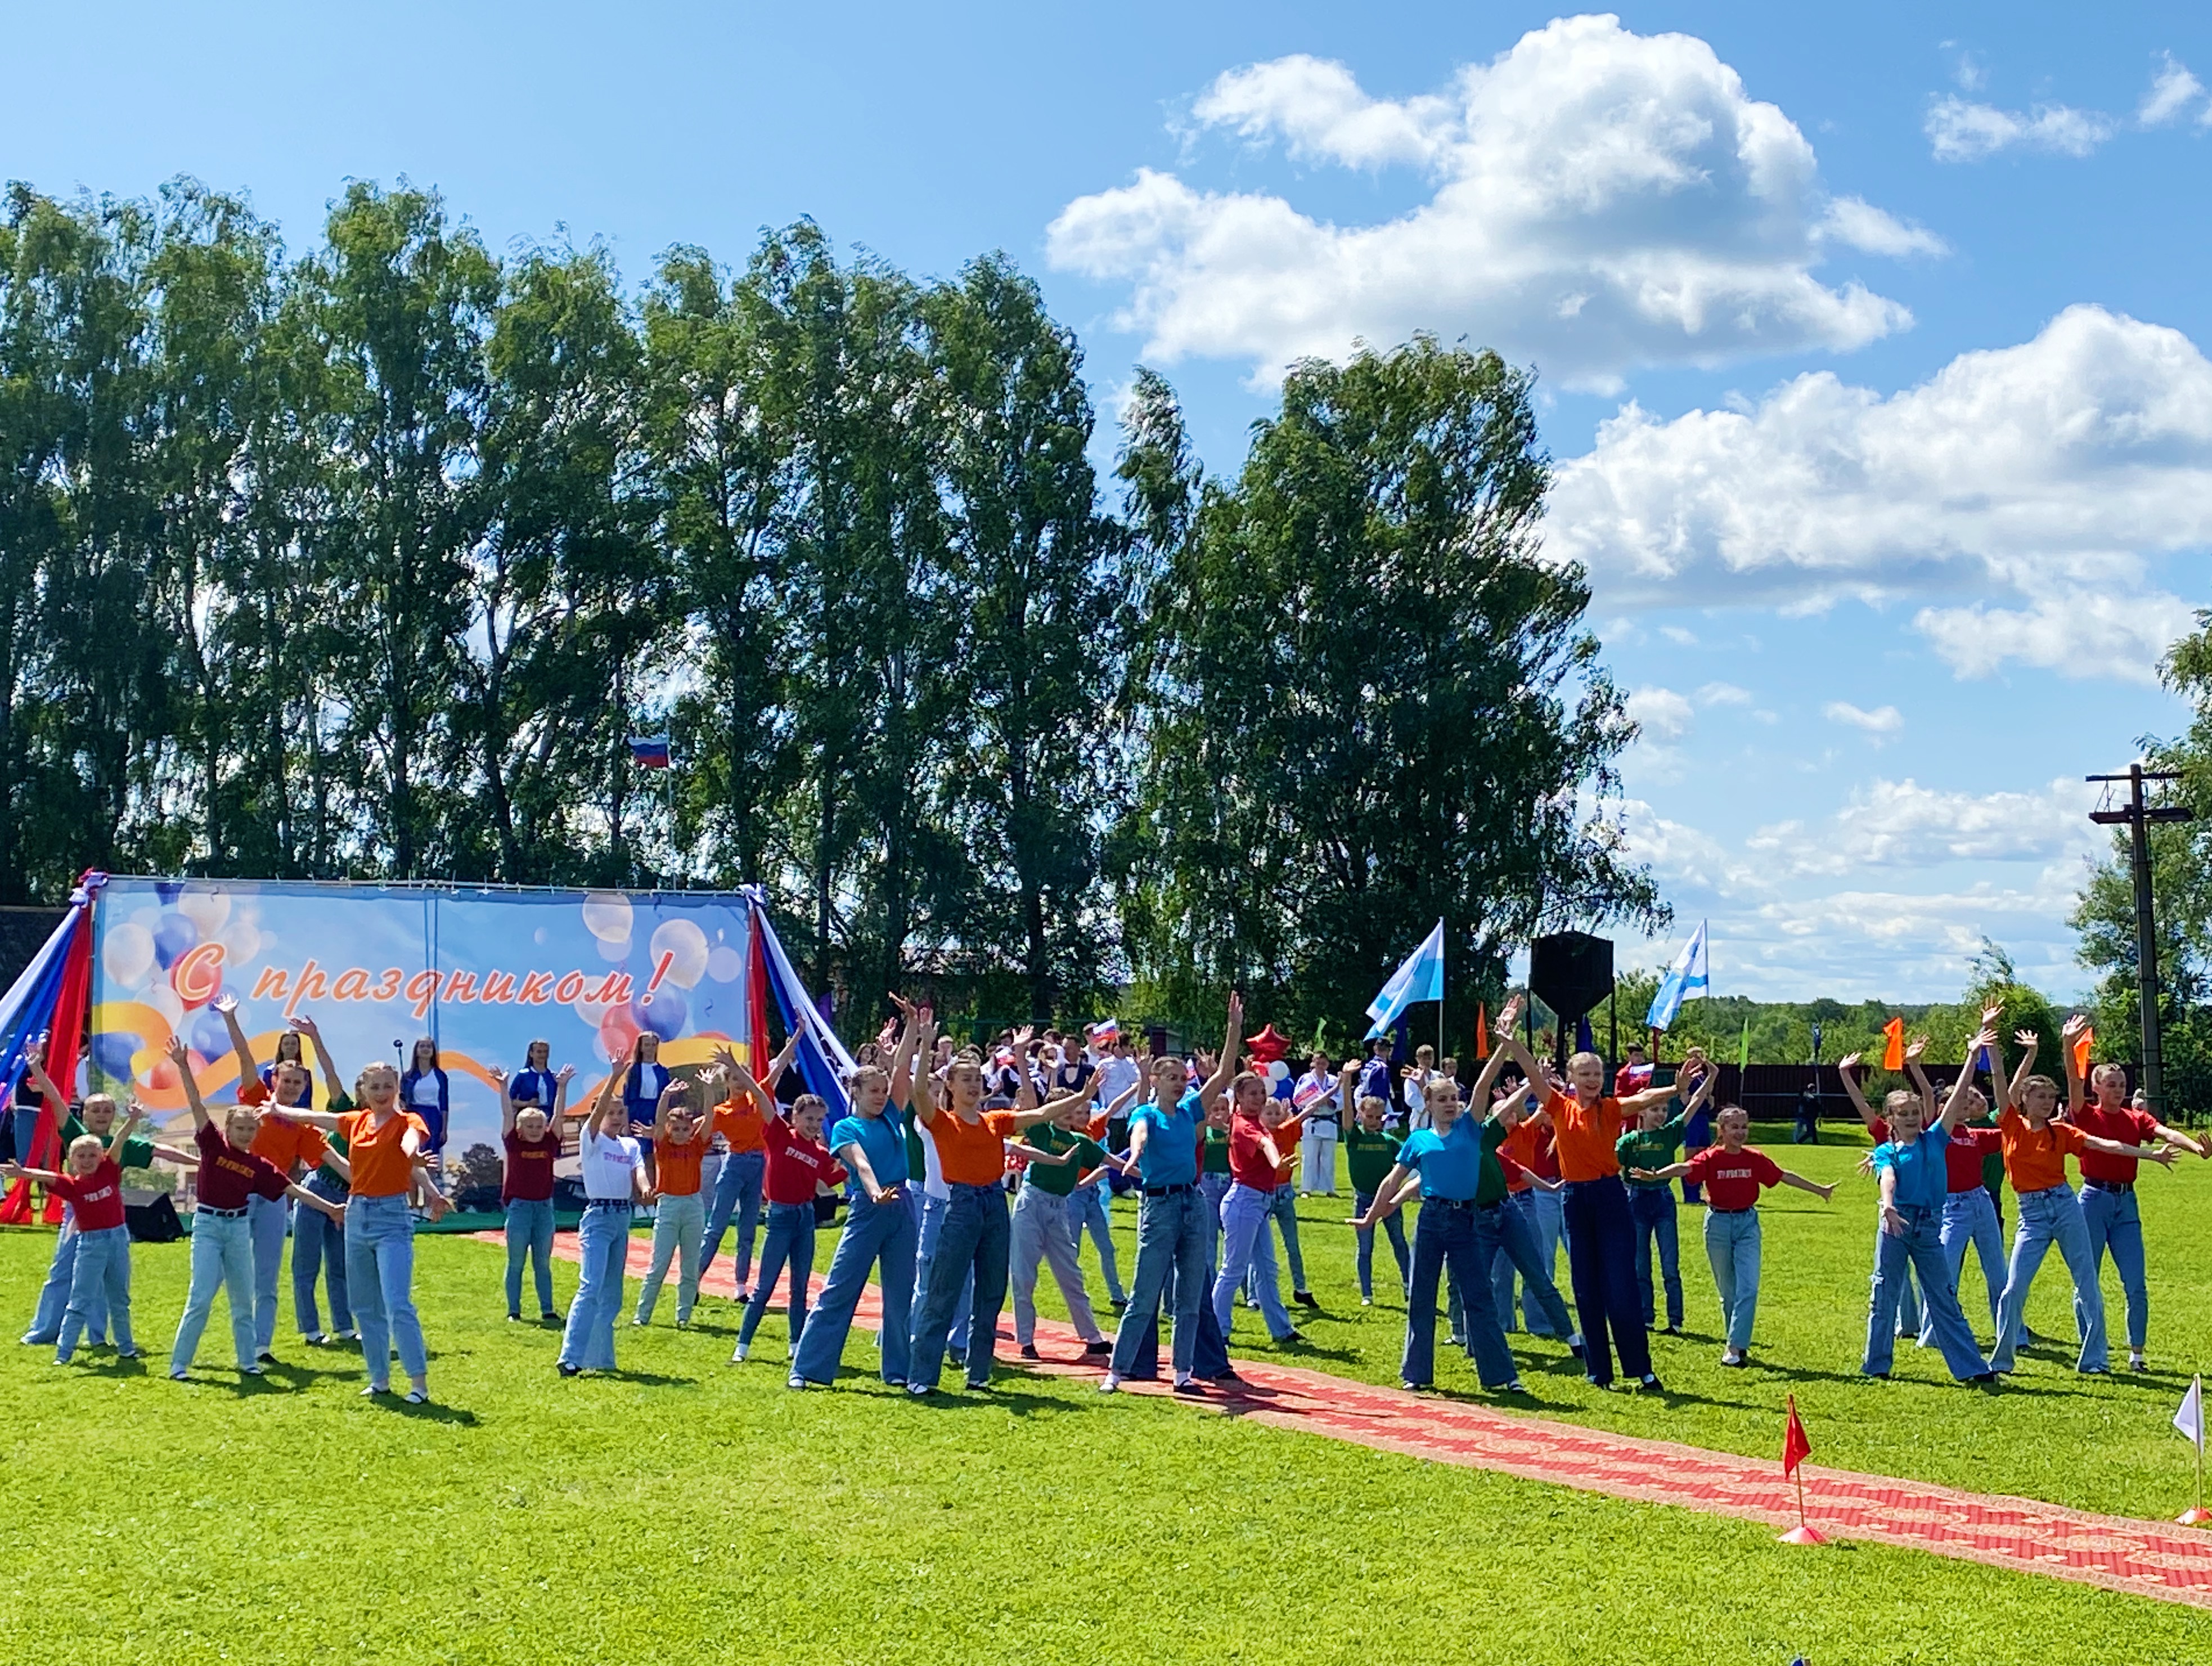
pixel 1893 1056
pixel 1795 1449
pixel 1481 1031
pixel 2086 1040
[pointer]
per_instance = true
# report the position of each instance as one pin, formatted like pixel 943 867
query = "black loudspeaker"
pixel 151 1217
pixel 1571 972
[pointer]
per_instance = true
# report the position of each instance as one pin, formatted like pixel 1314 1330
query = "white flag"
pixel 2190 1420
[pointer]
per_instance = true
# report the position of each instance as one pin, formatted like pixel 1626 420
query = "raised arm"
pixel 1913 1050
pixel 780 1063
pixel 136 1114
pixel 34 1061
pixel 227 1004
pixel 180 1056
pixel 1844 1066
pixel 1954 1106
pixel 305 1026
pixel 2017 1088
pixel 1232 1045
pixel 1480 1093
pixel 505 1084
pixel 609 1095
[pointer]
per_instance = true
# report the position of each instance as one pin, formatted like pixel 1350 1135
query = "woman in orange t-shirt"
pixel 977 1234
pixel 1586 1123
pixel 387 1148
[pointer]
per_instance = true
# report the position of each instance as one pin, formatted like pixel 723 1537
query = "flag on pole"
pixel 1743 1052
pixel 1584 1041
pixel 1796 1448
pixel 2190 1420
pixel 1686 977
pixel 1105 1033
pixel 1420 978
pixel 2082 1044
pixel 1893 1056
pixel 1481 1031
pixel 649 751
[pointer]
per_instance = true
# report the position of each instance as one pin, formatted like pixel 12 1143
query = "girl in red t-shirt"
pixel 92 1184
pixel 798 1163
pixel 531 1138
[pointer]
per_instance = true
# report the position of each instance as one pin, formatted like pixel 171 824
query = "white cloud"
pixel 1662 713
pixel 1903 825
pixel 2051 472
pixel 1959 131
pixel 1678 636
pixel 2082 634
pixel 1723 693
pixel 1600 200
pixel 1884 720
pixel 2172 90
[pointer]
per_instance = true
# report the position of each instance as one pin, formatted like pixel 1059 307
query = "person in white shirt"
pixel 1314 1095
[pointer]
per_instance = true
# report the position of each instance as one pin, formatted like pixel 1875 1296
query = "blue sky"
pixel 1871 341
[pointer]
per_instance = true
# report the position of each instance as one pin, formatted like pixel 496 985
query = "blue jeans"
pixel 2046 1218
pixel 932 1228
pixel 736 1190
pixel 103 1270
pixel 1463 1240
pixel 973 1245
pixel 1732 1246
pixel 1247 1253
pixel 1601 1262
pixel 2111 1221
pixel 790 1243
pixel 1088 1212
pixel 679 1227
pixel 1545 1215
pixel 222 1257
pixel 1214 1189
pixel 318 1247
pixel 1394 1227
pixel 54 1295
pixel 1283 1205
pixel 269 1218
pixel 876 1235
pixel 1652 1210
pixel 380 1279
pixel 1173 1237
pixel 1920 1247
pixel 529 1238
pixel 1972 1218
pixel 1041 1235
pixel 1518 1251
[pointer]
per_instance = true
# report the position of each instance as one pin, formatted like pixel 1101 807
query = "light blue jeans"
pixel 680 1229
pixel 222 1259
pixel 1972 1218
pixel 789 1244
pixel 1248 1254
pixel 1919 1246
pixel 103 1269
pixel 2112 1221
pixel 587 1342
pixel 1283 1205
pixel 1546 1215
pixel 380 1279
pixel 529 1238
pixel 54 1295
pixel 1040 1234
pixel 876 1235
pixel 930 1229
pixel 736 1191
pixel 2046 1218
pixel 318 1246
pixel 974 1247
pixel 1090 1214
pixel 1732 1246
pixel 1394 1227
pixel 1173 1237
pixel 269 1218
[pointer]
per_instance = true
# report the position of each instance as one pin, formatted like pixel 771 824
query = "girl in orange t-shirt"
pixel 680 1134
pixel 1586 1123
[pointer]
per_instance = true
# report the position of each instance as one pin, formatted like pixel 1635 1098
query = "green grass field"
pixel 687 1508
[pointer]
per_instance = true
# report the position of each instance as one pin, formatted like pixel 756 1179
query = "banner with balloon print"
pixel 482 973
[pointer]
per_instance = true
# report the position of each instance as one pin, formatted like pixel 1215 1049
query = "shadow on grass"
pixel 429 1412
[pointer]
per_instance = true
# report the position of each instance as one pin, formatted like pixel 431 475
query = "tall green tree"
pixel 1371 702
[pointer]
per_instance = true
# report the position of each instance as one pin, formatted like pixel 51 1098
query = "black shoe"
pixel 1306 1298
pixel 1672 1330
pixel 1119 1304
pixel 267 1357
pixel 1099 1350
pixel 551 1319
pixel 1028 1352
pixel 1985 1379
pixel 1189 1386
pixel 567 1370
pixel 1650 1384
pixel 1228 1376
pixel 1289 1337
pixel 511 1318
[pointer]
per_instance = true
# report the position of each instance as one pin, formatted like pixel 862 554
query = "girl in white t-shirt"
pixel 614 1184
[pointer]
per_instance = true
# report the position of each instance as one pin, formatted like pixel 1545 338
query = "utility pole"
pixel 2137 816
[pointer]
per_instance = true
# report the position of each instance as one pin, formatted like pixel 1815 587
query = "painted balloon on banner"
pixel 724 965
pixel 618 1032
pixel 172 935
pixel 683 940
pixel 664 1015
pixel 607 916
pixel 127 955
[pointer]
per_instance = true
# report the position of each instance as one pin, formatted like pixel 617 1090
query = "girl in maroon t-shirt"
pixel 93 1185
pixel 533 1140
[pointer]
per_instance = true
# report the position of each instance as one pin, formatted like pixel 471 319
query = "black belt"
pixel 1450 1203
pixel 623 1203
pixel 1715 1209
pixel 2107 1185
pixel 1168 1191
pixel 221 1214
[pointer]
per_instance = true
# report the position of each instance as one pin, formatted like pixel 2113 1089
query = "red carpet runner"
pixel 2148 1559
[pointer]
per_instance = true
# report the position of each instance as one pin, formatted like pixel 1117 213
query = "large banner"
pixel 483 973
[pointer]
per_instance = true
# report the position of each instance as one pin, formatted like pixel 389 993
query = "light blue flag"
pixel 1421 978
pixel 1686 977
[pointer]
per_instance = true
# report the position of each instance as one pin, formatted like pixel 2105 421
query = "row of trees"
pixel 366 563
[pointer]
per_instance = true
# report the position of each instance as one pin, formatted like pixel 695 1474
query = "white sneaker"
pixel 742 1350
pixel 1109 1383
pixel 2135 1362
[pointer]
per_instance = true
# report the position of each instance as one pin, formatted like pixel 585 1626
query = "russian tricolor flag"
pixel 649 751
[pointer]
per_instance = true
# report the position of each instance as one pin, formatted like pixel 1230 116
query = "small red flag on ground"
pixel 1893 1056
pixel 1795 1449
pixel 1481 1031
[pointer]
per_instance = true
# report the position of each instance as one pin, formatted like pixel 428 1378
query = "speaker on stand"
pixel 1571 972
